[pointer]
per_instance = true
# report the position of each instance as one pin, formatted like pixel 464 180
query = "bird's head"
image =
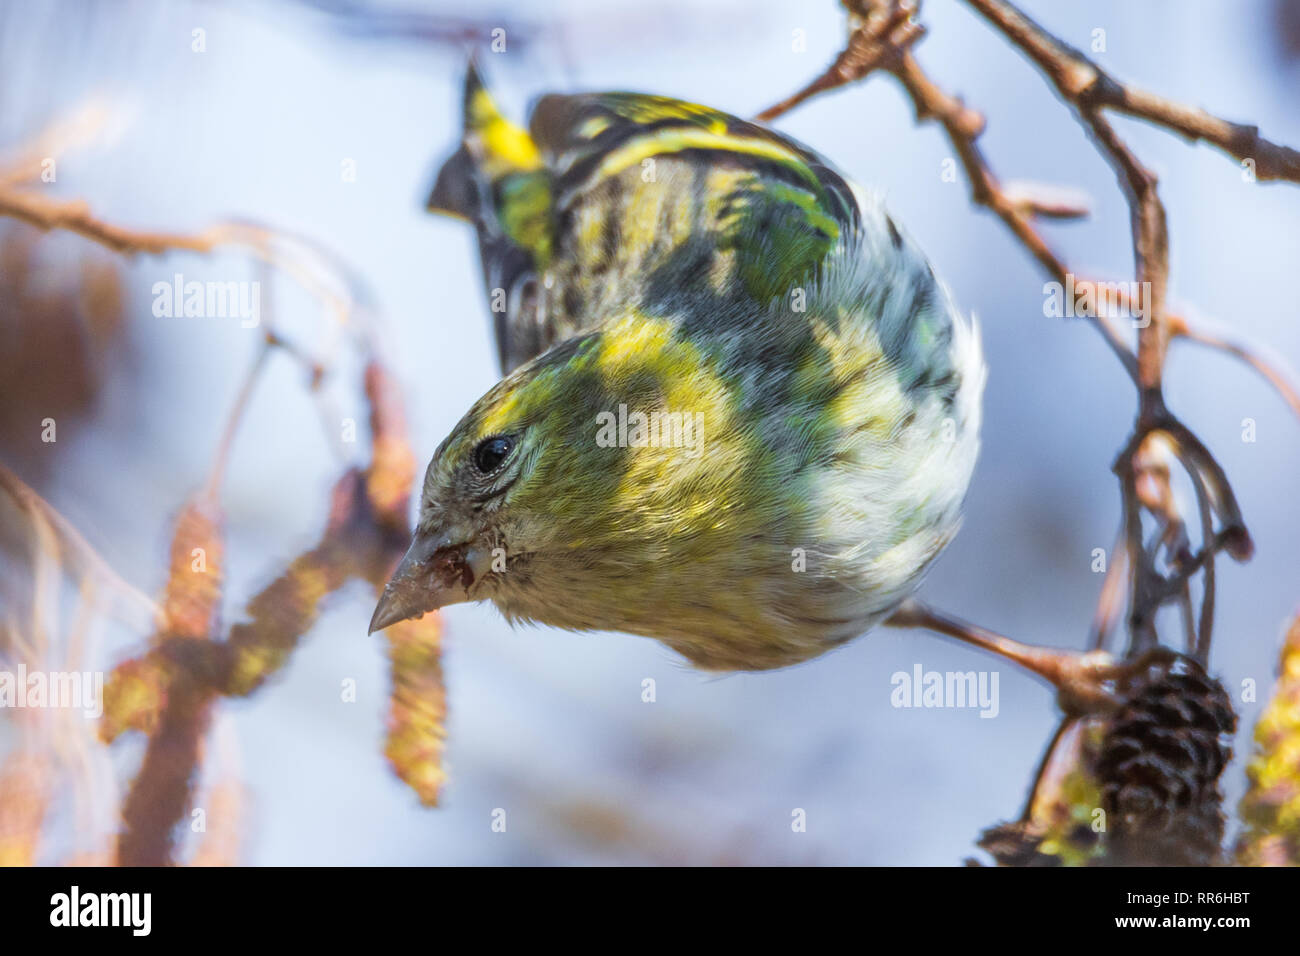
pixel 547 484
pixel 479 495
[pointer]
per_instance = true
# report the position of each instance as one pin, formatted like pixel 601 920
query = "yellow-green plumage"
pixel 694 263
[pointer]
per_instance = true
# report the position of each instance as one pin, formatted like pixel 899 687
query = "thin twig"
pixel 964 126
pixel 1085 83
pixel 217 472
pixel 1072 74
pixel 1271 367
pixel 315 269
pixel 76 546
pixel 1205 558
pixel 877 39
pixel 1078 81
pixel 1111 600
pixel 1045 201
pixel 1080 678
pixel 77 129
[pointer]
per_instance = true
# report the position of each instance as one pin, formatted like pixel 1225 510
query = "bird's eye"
pixel 491 452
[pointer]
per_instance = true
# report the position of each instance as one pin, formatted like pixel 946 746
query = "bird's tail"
pixel 496 179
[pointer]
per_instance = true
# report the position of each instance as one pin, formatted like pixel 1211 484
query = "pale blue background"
pixel 550 726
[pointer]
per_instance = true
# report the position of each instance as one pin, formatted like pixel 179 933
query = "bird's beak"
pixel 434 573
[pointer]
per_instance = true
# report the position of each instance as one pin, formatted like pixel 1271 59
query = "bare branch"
pixel 83 554
pixel 1271 367
pixel 1083 82
pixel 880 37
pixel 963 126
pixel 1046 201
pixel 1072 75
pixel 1080 678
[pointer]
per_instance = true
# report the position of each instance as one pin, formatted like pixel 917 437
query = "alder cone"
pixel 1160 761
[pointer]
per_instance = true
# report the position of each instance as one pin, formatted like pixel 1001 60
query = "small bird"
pixel 740 413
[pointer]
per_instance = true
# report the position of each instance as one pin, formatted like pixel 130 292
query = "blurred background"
pixel 327 120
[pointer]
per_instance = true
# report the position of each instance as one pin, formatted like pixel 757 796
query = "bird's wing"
pixel 611 201
pixel 652 191
pixel 577 133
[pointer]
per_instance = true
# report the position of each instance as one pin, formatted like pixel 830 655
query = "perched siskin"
pixel 741 412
